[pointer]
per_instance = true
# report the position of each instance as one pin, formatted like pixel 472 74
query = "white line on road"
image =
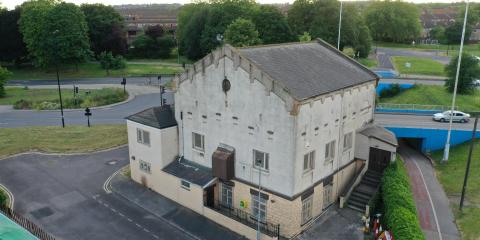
pixel 429 198
pixel 107 183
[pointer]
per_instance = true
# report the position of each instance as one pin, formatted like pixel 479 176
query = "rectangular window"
pixel 185 185
pixel 260 160
pixel 227 195
pixel 347 141
pixel 144 166
pixel 259 207
pixel 307 209
pixel 308 161
pixel 143 137
pixel 329 151
pixel 198 142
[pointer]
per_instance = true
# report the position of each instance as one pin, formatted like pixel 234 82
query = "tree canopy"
pixel 4 74
pixel 393 21
pixel 242 33
pixel 12 47
pixel 106 29
pixel 469 71
pixel 54 32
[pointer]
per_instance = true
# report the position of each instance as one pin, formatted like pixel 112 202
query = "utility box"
pixel 223 163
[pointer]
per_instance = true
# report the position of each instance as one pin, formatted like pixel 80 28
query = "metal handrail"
pixel 25 223
pixel 413 106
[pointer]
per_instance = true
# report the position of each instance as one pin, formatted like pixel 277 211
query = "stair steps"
pixel 362 194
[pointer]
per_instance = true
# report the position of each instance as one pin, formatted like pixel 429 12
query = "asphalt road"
pixel 110 80
pixel 416 121
pixel 384 56
pixel 64 196
pixel 433 207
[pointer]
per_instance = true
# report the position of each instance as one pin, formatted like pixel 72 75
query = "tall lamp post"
pixel 259 163
pixel 469 160
pixel 55 34
pixel 447 143
pixel 339 25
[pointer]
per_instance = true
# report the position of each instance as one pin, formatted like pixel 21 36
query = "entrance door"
pixel 327 195
pixel 379 159
pixel 210 196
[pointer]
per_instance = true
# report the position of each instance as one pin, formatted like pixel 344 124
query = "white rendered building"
pixel 293 119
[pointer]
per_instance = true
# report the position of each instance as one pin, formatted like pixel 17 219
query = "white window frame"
pixel 200 148
pixel 227 195
pixel 330 151
pixel 259 205
pixel 144 166
pixel 307 209
pixel 143 137
pixel 309 161
pixel 265 165
pixel 347 141
pixel 185 184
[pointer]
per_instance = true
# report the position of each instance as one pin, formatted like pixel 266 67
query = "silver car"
pixel 457 116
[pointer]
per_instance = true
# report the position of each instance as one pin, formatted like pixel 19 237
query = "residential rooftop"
pixel 156 117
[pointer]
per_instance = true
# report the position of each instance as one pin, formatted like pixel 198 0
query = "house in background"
pixel 270 134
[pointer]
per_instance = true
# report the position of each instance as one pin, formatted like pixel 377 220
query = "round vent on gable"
pixel 226 85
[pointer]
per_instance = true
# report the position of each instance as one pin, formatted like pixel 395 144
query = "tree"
pixel 54 32
pixel 469 71
pixel 108 61
pixel 106 29
pixel 453 33
pixel 393 21
pixel 154 31
pixel 325 20
pixel 4 74
pixel 145 46
pixel 12 47
pixel 305 37
pixel 190 31
pixel 438 33
pixel 166 44
pixel 241 33
pixel 272 25
pixel 300 16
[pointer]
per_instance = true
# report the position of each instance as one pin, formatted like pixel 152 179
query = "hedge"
pixel 400 214
pixel 3 198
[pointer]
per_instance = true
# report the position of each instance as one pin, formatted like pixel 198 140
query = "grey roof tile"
pixel 157 117
pixel 190 171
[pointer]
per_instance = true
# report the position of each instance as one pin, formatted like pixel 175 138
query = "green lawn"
pixel 451 176
pixel 59 140
pixel 435 95
pixel 421 66
pixel 91 70
pixel 452 49
pixel 367 62
pixel 41 99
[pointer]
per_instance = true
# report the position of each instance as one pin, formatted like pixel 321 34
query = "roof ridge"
pixel 346 57
pixel 274 45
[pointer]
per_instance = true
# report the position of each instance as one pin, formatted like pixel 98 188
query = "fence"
pixel 413 107
pixel 25 223
pixel 270 229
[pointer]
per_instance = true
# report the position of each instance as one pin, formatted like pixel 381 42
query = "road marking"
pixel 128 219
pixel 107 185
pixel 121 215
pixel 429 198
pixel 113 210
pixel 155 236
pixel 146 230
pixel 138 225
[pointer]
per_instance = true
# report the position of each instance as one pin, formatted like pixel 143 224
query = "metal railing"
pixel 25 223
pixel 413 107
pixel 270 229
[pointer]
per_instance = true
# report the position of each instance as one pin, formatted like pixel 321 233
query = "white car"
pixel 457 116
pixel 476 82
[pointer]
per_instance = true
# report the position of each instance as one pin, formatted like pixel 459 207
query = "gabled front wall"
pixel 326 119
pixel 247 117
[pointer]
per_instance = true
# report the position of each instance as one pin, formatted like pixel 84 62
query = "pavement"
pixel 433 207
pixel 335 224
pixel 176 215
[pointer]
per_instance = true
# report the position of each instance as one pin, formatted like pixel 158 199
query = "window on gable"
pixel 260 160
pixel 143 137
pixel 308 161
pixel 198 142
pixel 347 141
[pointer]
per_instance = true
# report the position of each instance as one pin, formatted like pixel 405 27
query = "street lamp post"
pixel 467 171
pixel 339 25
pixel 449 133
pixel 55 33
pixel 258 162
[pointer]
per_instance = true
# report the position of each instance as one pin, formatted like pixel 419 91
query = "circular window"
pixel 226 85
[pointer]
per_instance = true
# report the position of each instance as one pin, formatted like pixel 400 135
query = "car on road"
pixel 457 116
pixel 476 82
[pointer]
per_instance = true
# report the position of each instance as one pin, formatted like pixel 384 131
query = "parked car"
pixel 476 82
pixel 457 116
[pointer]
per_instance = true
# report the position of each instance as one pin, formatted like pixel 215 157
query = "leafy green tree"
pixel 106 29
pixel 4 74
pixel 154 31
pixel 393 21
pixel 54 32
pixel 241 33
pixel 12 47
pixel 453 33
pixel 300 16
pixel 145 46
pixel 355 32
pixel 272 25
pixel 325 20
pixel 190 33
pixel 469 71
pixel 305 37
pixel 109 61
pixel 166 44
pixel 438 33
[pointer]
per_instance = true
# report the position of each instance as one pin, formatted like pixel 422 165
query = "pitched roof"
pixel 308 69
pixel 380 133
pixel 190 171
pixel 157 117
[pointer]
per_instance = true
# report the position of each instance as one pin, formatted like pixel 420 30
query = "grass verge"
pixel 47 99
pixel 420 66
pixel 367 62
pixel 451 177
pixel 435 95
pixel 91 70
pixel 61 140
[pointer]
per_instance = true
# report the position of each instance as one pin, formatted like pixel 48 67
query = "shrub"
pixel 400 214
pixel 392 91
pixel 22 104
pixel 46 105
pixel 3 198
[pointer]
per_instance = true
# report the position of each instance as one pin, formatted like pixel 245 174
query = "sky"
pixel 10 4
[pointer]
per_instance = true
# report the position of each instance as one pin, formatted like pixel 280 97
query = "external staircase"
pixel 365 190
